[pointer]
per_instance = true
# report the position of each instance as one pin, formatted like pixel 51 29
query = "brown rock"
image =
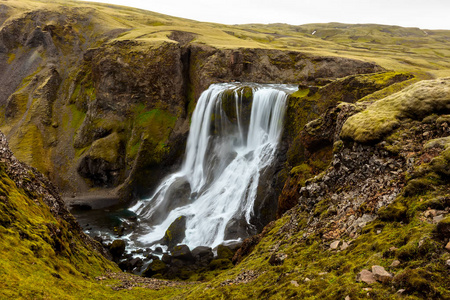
pixel 365 276
pixel 447 247
pixel 380 274
pixel 395 264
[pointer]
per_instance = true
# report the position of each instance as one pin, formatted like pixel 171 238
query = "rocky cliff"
pixel 96 111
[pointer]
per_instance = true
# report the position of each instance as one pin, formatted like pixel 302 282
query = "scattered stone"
pixel 294 283
pixel 277 259
pixel 401 291
pixel 392 249
pixel 447 247
pixel 380 274
pixel 367 289
pixel 334 245
pixel 344 246
pixel 365 276
pixel 322 273
pixel 395 263
pixel 438 218
pixel 306 279
pixel 448 263
pixel 347 297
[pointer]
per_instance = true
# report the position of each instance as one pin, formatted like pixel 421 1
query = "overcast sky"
pixel 425 14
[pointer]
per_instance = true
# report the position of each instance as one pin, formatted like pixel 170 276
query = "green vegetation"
pixel 382 117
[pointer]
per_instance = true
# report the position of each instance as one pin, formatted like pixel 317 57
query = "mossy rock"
pixel 396 211
pixel 220 264
pixel 156 267
pixel 175 233
pixel 117 249
pixel 382 117
pixel 224 252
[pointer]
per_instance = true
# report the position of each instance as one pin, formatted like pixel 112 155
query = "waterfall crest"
pixel 233 137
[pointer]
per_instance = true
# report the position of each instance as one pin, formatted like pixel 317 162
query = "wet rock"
pixel 166 258
pixel 117 249
pixel 380 274
pixel 365 276
pixel 202 255
pixel 182 252
pixel 154 268
pixel 175 233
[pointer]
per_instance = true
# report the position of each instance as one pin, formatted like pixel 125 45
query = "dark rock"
pixel 203 256
pixel 175 233
pixel 156 267
pixel 182 252
pixel 166 258
pixel 443 228
pixel 117 249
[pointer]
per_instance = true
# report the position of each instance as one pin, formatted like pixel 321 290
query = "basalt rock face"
pixel 315 116
pixel 90 110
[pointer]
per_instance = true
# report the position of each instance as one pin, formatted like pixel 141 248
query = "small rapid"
pixel 233 137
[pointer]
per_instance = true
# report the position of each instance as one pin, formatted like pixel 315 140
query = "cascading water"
pixel 231 141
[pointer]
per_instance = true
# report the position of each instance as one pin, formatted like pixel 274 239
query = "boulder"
pixel 203 256
pixel 224 252
pixel 117 249
pixel 175 233
pixel 182 252
pixel 154 268
pixel 380 274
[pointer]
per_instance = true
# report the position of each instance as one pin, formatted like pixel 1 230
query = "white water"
pixel 223 161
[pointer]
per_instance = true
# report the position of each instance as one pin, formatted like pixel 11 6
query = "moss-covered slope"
pixel 383 204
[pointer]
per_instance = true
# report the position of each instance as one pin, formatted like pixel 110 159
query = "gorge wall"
pixel 94 112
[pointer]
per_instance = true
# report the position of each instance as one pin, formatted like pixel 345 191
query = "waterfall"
pixel 233 137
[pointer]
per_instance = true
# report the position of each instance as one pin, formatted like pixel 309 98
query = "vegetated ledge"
pixel 374 223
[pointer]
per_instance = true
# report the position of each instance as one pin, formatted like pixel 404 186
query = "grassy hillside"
pixel 392 47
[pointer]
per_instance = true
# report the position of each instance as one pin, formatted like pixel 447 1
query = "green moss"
pixel 300 93
pixel 107 148
pixel 396 211
pixel 382 117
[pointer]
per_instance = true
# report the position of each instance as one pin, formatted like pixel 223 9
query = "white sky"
pixel 425 14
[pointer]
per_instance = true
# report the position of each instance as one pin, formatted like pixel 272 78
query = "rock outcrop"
pixel 108 113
